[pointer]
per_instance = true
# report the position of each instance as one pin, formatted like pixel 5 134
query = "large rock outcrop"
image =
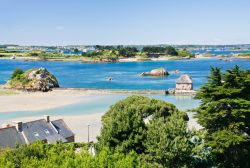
pixel 156 72
pixel 36 79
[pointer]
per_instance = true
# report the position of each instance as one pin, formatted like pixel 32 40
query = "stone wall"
pixel 184 86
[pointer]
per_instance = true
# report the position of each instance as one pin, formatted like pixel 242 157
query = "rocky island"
pixel 35 79
pixel 156 72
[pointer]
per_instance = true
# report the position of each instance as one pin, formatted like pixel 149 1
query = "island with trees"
pixel 100 53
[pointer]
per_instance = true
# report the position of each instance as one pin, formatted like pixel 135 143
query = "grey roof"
pixel 49 132
pixel 41 130
pixel 62 128
pixel 9 137
pixel 184 79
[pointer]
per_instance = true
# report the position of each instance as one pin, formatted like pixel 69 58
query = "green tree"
pixel 171 51
pixel 169 143
pixel 76 50
pixel 17 72
pixel 225 114
pixel 63 155
pixel 127 51
pixel 123 125
pixel 153 49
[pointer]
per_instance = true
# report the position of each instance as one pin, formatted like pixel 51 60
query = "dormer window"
pixel 36 134
pixel 46 131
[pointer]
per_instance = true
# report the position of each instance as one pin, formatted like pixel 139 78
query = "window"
pixel 36 134
pixel 46 131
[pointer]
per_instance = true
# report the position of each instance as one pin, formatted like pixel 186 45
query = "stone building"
pixel 184 83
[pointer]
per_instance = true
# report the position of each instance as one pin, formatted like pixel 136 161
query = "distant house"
pixel 29 132
pixel 184 83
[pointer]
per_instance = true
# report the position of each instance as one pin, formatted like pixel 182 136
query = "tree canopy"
pixel 123 125
pixel 155 129
pixel 225 114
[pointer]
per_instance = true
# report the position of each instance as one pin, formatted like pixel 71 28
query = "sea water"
pixel 126 75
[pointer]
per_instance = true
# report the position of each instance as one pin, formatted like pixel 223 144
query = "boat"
pixel 13 57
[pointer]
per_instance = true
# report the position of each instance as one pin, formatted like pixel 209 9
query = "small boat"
pixel 13 57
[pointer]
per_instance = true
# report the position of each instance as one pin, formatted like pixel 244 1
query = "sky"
pixel 127 22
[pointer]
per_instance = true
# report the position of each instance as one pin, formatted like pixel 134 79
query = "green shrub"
pixel 17 73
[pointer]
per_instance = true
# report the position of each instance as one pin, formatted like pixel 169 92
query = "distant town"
pixel 90 48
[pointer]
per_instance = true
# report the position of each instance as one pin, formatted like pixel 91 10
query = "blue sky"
pixel 63 22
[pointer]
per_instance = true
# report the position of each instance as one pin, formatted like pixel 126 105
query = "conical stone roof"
pixel 184 79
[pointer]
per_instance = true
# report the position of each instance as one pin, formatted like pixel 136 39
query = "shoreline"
pixel 86 60
pixel 35 101
pixel 133 59
pixel 101 91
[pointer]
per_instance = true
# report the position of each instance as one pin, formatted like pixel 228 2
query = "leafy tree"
pixel 153 50
pixel 170 144
pixel 184 53
pixel 124 126
pixel 225 114
pixel 76 50
pixel 171 51
pixel 17 72
pixel 64 155
pixel 127 51
pixel 155 130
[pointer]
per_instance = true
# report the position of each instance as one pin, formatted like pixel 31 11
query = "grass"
pixel 244 54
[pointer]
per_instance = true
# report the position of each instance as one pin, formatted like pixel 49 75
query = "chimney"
pixel 19 126
pixel 6 125
pixel 47 118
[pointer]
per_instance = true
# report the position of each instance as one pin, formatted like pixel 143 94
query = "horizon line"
pixel 54 45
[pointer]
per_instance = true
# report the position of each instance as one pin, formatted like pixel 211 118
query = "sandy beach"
pixel 27 101
pixel 33 101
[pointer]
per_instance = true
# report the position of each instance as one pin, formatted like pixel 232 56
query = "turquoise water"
pixel 125 75
pixel 99 104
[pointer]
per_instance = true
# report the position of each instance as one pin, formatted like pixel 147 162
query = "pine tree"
pixel 225 114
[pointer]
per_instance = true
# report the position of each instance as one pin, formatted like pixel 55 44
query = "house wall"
pixel 184 86
pixel 71 139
